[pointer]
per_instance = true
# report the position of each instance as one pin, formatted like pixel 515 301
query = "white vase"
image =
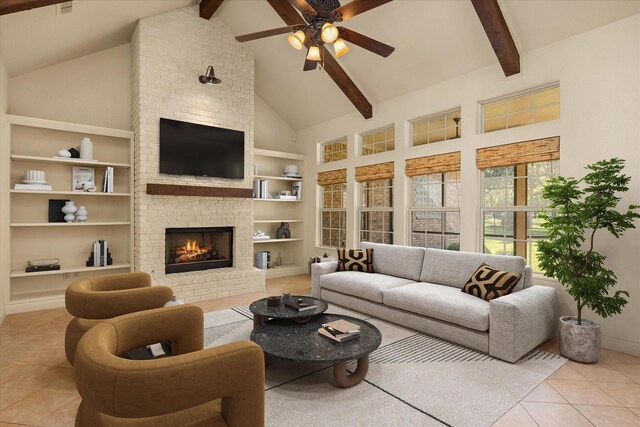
pixel 69 209
pixel 81 214
pixel 86 149
pixel 173 302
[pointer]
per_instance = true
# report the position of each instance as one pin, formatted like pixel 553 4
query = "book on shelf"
pixel 33 187
pixel 107 184
pixel 300 304
pixel 340 330
pixel 261 189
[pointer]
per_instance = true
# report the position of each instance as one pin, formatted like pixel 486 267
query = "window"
pixel 333 151
pixel 435 211
pixel 378 141
pixel 534 106
pixel 512 197
pixel 333 212
pixel 436 128
pixel 376 205
pixel 434 214
pixel 334 215
pixel 376 211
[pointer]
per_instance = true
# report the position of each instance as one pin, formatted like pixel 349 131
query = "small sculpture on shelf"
pixel 81 214
pixel 69 210
pixel 283 231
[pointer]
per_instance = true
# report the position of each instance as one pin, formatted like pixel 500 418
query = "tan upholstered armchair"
pixel 103 297
pixel 219 386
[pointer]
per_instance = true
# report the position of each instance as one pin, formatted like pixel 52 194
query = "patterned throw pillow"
pixel 488 283
pixel 355 260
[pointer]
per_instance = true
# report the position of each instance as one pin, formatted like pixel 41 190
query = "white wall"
pixel 599 78
pixel 273 133
pixel 94 90
pixel 4 186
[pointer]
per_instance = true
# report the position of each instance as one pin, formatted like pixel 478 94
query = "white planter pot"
pixel 579 342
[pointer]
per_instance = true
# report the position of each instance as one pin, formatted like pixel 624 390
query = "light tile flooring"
pixel 37 386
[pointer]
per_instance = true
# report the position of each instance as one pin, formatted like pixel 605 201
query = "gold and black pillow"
pixel 488 283
pixel 355 260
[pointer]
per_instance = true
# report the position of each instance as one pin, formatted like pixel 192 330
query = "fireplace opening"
pixel 194 249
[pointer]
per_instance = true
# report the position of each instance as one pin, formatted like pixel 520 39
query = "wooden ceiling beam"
pixel 287 12
pixel 208 8
pixel 498 33
pixel 13 6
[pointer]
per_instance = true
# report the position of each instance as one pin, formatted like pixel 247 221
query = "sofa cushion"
pixel 488 283
pixel 396 260
pixel 364 285
pixel 355 260
pixel 454 268
pixel 440 302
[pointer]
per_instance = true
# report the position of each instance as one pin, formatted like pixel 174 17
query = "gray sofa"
pixel 421 289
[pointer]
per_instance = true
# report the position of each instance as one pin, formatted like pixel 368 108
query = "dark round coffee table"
pixel 302 343
pixel 263 312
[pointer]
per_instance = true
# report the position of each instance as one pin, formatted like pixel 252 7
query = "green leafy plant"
pixel 578 208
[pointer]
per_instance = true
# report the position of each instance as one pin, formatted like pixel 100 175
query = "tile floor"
pixel 37 386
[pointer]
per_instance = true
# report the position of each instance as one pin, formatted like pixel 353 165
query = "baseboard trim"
pixel 623 346
pixel 45 304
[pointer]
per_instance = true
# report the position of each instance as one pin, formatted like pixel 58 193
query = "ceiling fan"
pixel 315 29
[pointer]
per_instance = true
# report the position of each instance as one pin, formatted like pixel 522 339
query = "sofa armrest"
pixel 520 321
pixel 318 270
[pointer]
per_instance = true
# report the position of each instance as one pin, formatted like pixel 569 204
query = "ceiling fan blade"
pixel 303 6
pixel 344 82
pixel 357 7
pixel 366 42
pixel 209 7
pixel 287 12
pixel 265 33
pixel 309 65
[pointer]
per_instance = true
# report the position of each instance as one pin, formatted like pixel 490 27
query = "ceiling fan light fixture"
pixel 340 47
pixel 209 77
pixel 329 33
pixel 297 39
pixel 314 53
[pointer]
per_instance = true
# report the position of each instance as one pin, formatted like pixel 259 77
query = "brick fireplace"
pixel 197 249
pixel 170 89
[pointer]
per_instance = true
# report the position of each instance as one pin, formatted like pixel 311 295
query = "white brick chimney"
pixel 169 52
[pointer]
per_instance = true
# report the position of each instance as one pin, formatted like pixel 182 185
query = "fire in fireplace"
pixel 194 249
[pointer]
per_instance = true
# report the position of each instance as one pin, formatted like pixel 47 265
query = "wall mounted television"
pixel 199 150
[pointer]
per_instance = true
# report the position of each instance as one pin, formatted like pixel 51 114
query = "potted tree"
pixel 578 209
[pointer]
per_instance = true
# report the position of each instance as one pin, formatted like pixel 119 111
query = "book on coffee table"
pixel 340 330
pixel 300 304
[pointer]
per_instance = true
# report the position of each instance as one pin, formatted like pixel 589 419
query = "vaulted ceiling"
pixel 434 40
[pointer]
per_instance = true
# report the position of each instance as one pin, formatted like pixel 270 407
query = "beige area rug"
pixel 414 380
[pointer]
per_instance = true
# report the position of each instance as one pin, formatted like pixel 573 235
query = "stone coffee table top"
pixel 301 342
pixel 261 308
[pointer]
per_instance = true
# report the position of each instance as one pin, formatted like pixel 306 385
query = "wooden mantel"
pixel 195 190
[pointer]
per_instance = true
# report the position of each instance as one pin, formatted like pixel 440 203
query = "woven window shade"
pixel 338 176
pixel 373 172
pixel 538 150
pixel 449 162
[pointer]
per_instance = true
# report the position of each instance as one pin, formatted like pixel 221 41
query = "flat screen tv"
pixel 199 150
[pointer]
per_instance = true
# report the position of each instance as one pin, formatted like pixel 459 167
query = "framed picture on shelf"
pixel 83 179
pixel 296 189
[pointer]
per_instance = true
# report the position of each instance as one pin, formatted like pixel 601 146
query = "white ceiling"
pixel 435 40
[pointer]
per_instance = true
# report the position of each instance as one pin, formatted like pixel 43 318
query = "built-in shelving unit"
pixel 26 234
pixel 270 213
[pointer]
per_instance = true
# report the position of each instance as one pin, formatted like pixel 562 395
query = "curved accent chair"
pixel 219 386
pixel 97 298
